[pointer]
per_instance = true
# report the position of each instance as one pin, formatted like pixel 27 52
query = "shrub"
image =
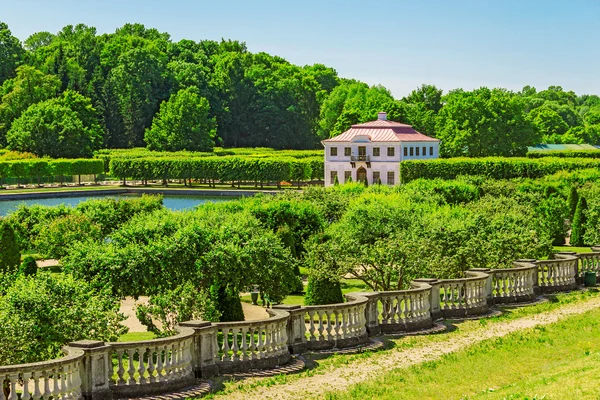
pixel 228 304
pixel 323 290
pixel 572 201
pixel 578 225
pixel 10 256
pixel 28 267
pixel 41 313
pixel 56 237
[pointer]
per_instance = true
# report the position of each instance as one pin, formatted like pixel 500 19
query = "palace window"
pixel 405 151
pixel 333 175
pixel 412 151
pixel 347 175
pixel 390 178
pixel 424 150
pixel 376 176
pixel 417 149
pixel 430 150
pixel 375 151
pixel 347 151
pixel 391 152
pixel 333 152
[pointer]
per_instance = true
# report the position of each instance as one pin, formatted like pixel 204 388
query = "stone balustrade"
pixel 56 379
pixel 464 297
pixel 514 285
pixel 95 370
pixel 145 367
pixel 253 344
pixel 335 325
pixel 558 274
pixel 589 262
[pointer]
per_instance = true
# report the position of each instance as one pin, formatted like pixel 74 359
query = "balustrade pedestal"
pixel 295 328
pixel 96 369
pixel 205 349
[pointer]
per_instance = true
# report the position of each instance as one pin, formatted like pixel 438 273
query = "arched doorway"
pixel 361 175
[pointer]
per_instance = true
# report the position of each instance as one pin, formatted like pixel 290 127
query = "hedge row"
pixel 211 169
pixel 565 154
pixel 37 168
pixel 492 167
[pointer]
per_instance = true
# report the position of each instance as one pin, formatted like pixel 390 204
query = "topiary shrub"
pixel 10 256
pixel 572 200
pixel 28 267
pixel 336 181
pixel 228 304
pixel 322 290
pixel 577 227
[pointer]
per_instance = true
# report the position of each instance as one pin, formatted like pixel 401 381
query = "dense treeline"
pixel 66 94
pixel 35 169
pixel 565 154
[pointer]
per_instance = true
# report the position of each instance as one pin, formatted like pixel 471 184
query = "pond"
pixel 175 203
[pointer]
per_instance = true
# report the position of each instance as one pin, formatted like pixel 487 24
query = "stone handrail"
pixel 97 370
pixel 403 310
pixel 514 285
pixel 558 274
pixel 589 262
pixel 59 379
pixel 464 296
pixel 262 343
pixel 335 325
pixel 143 367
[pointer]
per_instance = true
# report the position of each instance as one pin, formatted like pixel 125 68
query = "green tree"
pixel 41 313
pixel 52 128
pixel 579 222
pixel 29 87
pixel 28 266
pixel 549 123
pixel 11 53
pixel 572 201
pixel 323 291
pixel 182 124
pixel 483 123
pixel 10 256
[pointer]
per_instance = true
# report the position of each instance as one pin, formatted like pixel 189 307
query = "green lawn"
pixel 558 361
pixel 575 249
pixel 136 336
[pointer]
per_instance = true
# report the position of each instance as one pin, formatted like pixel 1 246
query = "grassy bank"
pixel 558 361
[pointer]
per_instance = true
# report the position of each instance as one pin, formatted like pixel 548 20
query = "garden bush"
pixel 28 267
pixel 578 227
pixel 10 256
pixel 323 290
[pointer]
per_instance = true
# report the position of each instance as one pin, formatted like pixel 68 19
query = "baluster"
pixel 384 310
pixel 321 329
pixel 69 381
pixel 63 381
pixel 244 343
pixel 26 395
pixel 47 393
pixel 131 367
pixel 328 324
pixel 262 337
pixel 252 344
pixel 268 340
pixel 311 329
pixel 151 367
pixel 55 389
pixel 225 345
pixel 167 365
pixel 36 388
pixel 234 347
pixel 160 373
pixel 344 324
pixel 141 366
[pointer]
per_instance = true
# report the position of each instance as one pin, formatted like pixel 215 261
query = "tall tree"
pixel 30 86
pixel 483 123
pixel 11 53
pixel 182 124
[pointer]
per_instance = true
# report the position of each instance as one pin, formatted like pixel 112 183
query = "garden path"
pixel 342 377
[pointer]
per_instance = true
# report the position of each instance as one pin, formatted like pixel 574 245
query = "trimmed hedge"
pixel 565 154
pixel 37 168
pixel 491 167
pixel 229 169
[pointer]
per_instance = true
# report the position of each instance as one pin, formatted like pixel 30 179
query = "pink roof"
pixel 382 131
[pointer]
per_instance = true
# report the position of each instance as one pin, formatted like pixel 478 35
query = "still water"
pixel 175 203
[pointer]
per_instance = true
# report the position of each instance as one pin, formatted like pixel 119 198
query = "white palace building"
pixel 374 150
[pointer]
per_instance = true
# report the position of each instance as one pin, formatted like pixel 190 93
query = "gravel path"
pixel 343 377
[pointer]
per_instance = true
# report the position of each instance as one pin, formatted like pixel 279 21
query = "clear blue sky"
pixel 399 44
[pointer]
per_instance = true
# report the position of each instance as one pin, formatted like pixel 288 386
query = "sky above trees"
pixel 398 44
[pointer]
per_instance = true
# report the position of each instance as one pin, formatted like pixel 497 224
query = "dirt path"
pixel 343 377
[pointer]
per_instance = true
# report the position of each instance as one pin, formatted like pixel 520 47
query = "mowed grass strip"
pixel 557 361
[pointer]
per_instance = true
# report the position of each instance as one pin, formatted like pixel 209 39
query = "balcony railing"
pixel 360 158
